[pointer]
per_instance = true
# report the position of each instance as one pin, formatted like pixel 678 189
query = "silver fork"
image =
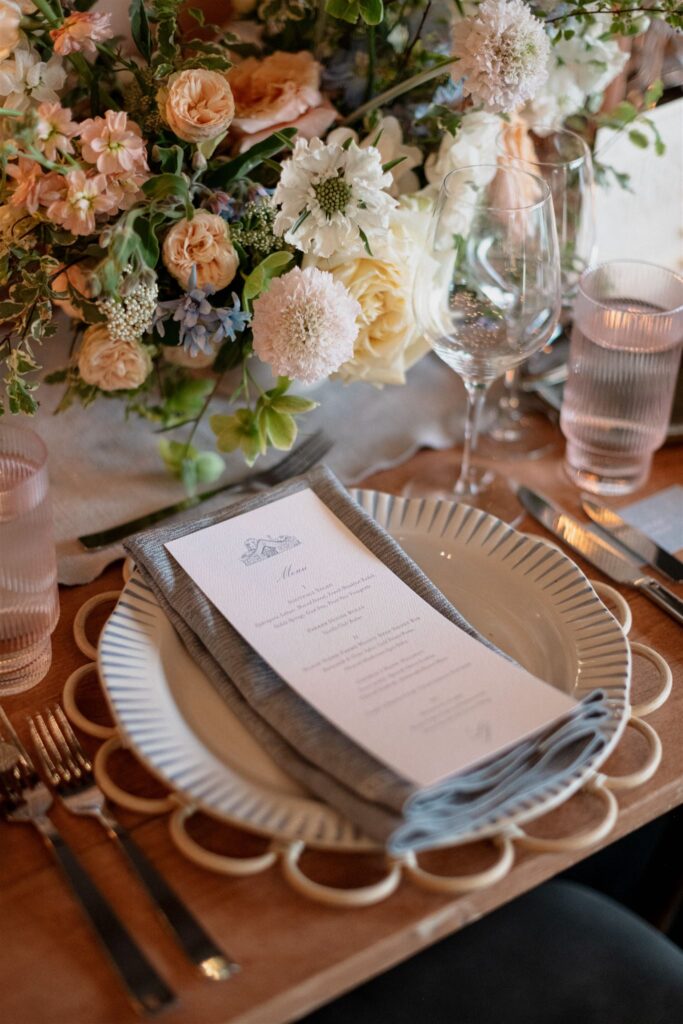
pixel 70 772
pixel 25 798
pixel 310 451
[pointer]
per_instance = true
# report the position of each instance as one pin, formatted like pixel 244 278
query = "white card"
pixel 359 645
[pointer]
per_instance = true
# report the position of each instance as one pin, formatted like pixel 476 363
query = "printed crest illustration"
pixel 258 549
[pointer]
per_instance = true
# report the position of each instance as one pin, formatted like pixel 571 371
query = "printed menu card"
pixel 358 644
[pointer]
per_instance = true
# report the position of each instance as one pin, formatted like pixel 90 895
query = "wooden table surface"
pixel 294 954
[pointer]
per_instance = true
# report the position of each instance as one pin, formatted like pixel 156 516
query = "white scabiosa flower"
pixel 305 325
pixel 504 52
pixel 331 198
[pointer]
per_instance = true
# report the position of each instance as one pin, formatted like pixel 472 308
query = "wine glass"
pixel 562 158
pixel 487 296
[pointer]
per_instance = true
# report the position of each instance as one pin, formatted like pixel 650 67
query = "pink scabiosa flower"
pixel 80 32
pixel 305 326
pixel 84 199
pixel 113 143
pixel 504 52
pixel 55 130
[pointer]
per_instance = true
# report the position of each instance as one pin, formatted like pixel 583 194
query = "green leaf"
pixel 293 404
pixel 393 163
pixel 10 310
pixel 149 244
pixel 209 467
pixel 281 429
pixel 344 10
pixel 174 452
pixel 170 158
pixel 164 185
pixel 372 11
pixel 188 396
pixel 638 138
pixel 188 475
pixel 140 29
pixel 259 279
pixel 225 173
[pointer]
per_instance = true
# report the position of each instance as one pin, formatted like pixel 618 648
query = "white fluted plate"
pixel 529 598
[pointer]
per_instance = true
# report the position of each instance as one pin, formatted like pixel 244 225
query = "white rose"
pixel 10 16
pixel 389 341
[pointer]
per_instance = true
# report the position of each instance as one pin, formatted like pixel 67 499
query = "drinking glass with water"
pixel 29 605
pixel 623 363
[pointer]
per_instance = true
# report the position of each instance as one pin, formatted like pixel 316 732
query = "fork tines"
pixel 8 735
pixel 61 754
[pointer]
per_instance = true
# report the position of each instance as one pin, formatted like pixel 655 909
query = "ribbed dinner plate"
pixel 529 598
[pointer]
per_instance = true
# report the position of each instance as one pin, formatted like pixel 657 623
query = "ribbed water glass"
pixel 623 362
pixel 29 604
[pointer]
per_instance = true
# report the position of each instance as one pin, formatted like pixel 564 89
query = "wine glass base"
pixel 525 435
pixel 494 495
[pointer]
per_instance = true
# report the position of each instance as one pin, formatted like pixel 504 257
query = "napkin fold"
pixel 386 806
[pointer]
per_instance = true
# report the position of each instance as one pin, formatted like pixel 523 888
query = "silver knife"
pixel 635 541
pixel 598 551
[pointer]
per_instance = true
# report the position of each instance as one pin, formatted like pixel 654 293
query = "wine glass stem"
pixel 512 392
pixel 467 482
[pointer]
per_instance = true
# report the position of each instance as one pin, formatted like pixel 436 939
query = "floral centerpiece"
pixel 198 198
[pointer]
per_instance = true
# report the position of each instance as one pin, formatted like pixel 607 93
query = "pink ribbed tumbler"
pixel 623 362
pixel 29 604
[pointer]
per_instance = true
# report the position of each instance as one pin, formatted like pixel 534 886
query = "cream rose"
pixel 389 341
pixel 10 17
pixel 197 104
pixel 111 364
pixel 280 91
pixel 203 242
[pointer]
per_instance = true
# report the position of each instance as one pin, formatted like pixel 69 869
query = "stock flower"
pixel 111 364
pixel 10 16
pixel 389 136
pixel 279 91
pixel 113 143
pixel 84 198
pixel 331 198
pixel 54 130
pixel 197 104
pixel 475 143
pixel 28 183
pixel 504 52
pixel 26 80
pixel 581 66
pixel 203 243
pixel 389 341
pixel 80 31
pixel 305 325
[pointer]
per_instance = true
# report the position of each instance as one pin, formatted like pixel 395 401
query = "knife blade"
pixel 598 551
pixel 635 541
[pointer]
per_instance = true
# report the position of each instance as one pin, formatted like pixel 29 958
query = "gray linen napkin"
pixel 383 804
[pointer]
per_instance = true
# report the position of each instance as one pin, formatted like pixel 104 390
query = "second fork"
pixel 70 773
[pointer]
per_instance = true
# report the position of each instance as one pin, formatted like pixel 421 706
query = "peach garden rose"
pixel 111 364
pixel 203 242
pixel 197 104
pixel 280 91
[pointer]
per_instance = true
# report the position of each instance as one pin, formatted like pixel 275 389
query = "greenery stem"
pixel 372 59
pixel 200 416
pixel 398 90
pixel 411 47
pixel 48 13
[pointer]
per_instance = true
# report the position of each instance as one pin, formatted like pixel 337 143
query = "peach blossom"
pixel 80 32
pixel 10 17
pixel 280 91
pixel 198 104
pixel 84 199
pixel 55 129
pixel 113 143
pixel 204 243
pixel 29 179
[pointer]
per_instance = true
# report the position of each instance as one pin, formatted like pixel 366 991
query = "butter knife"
pixel 600 552
pixel 642 547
